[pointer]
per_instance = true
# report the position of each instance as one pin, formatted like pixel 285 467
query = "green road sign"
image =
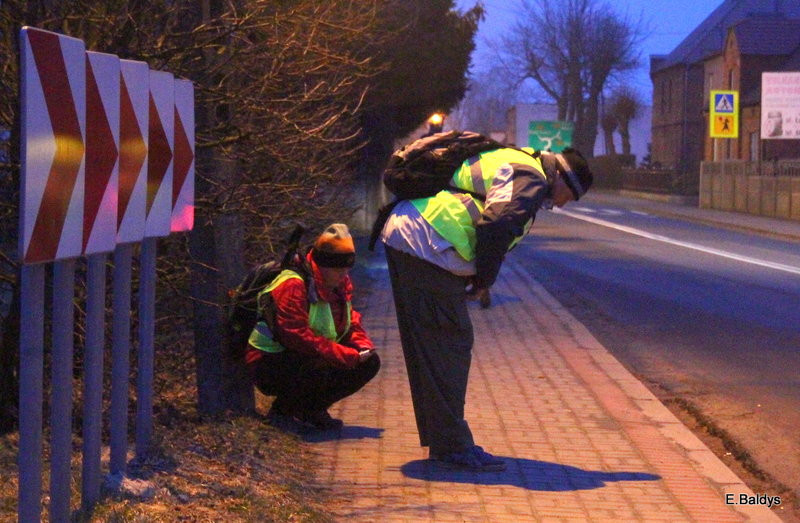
pixel 544 135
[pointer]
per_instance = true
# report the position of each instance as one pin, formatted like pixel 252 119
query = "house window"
pixel 754 146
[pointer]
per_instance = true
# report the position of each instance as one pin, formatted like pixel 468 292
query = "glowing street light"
pixel 436 119
pixel 435 123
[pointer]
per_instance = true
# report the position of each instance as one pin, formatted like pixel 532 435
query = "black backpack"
pixel 426 166
pixel 243 310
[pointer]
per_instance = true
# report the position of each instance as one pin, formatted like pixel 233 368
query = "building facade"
pixel 728 50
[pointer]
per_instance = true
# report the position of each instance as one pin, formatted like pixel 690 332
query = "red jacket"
pixel 291 304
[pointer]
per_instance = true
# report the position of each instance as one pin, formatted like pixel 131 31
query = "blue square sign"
pixel 723 103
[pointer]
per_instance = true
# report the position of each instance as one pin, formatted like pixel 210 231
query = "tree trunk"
pixel 378 129
pixel 608 136
pixel 216 249
pixel 586 128
pixel 237 389
pixel 208 332
pixel 215 245
pixel 624 132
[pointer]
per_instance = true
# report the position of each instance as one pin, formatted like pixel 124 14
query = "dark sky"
pixel 668 21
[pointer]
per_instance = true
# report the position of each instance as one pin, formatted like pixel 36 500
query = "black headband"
pixel 571 178
pixel 333 259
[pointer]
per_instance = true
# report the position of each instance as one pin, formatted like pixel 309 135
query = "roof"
pixel 793 62
pixel 767 36
pixel 709 37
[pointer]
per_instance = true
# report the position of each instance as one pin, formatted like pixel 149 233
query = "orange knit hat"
pixel 334 247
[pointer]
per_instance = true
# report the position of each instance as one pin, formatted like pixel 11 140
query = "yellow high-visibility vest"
pixel 454 215
pixel 320 319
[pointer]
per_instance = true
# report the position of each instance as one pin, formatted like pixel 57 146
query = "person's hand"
pixel 480 294
pixel 364 355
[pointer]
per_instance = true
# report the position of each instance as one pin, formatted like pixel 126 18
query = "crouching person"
pixel 309 349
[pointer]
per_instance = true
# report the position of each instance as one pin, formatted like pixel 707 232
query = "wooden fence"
pixel 761 188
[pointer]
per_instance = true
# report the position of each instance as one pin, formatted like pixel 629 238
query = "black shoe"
pixel 473 459
pixel 282 420
pixel 320 420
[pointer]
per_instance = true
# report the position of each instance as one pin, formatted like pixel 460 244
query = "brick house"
pixel 728 50
pixel 752 46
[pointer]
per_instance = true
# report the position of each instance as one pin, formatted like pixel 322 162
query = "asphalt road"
pixel 710 314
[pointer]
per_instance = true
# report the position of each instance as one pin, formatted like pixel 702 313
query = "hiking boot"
pixel 320 420
pixel 473 459
pixel 281 419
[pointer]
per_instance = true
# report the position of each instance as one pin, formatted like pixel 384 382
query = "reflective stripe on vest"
pixel 454 215
pixel 320 319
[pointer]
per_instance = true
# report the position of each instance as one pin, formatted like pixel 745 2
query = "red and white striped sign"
pixel 102 153
pixel 134 111
pixel 183 163
pixel 53 121
pixel 159 159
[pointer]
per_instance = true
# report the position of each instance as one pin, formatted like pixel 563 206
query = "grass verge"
pixel 236 468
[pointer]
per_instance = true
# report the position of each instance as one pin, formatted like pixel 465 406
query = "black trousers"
pixel 436 334
pixel 302 383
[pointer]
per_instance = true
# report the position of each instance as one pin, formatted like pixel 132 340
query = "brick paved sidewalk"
pixel 583 438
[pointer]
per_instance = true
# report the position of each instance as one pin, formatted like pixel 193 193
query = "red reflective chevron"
pixel 69 149
pixel 101 153
pixel 183 158
pixel 160 155
pixel 132 150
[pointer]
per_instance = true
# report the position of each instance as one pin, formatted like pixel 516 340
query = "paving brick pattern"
pixel 583 439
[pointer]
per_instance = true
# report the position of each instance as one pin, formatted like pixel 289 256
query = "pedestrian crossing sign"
pixel 723 102
pixel 724 114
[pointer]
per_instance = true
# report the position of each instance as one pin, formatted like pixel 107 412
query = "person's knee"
pixel 370 366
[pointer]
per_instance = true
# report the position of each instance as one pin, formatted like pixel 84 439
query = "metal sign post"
pixel 159 215
pixel 31 364
pixel 134 117
pixel 61 402
pixel 53 118
pixel 99 238
pixel 98 148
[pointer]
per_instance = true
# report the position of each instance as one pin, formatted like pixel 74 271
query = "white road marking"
pixel 640 213
pixel 688 245
pixel 612 212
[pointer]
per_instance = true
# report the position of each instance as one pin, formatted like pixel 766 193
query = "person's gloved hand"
pixel 364 355
pixel 479 294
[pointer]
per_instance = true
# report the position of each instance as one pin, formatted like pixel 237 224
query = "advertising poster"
pixel 780 106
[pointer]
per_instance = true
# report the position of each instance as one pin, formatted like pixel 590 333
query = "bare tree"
pixel 278 89
pixel 625 105
pixel 608 122
pixel 571 49
pixel 488 98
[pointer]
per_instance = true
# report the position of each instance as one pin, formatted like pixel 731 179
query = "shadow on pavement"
pixel 525 473
pixel 346 432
